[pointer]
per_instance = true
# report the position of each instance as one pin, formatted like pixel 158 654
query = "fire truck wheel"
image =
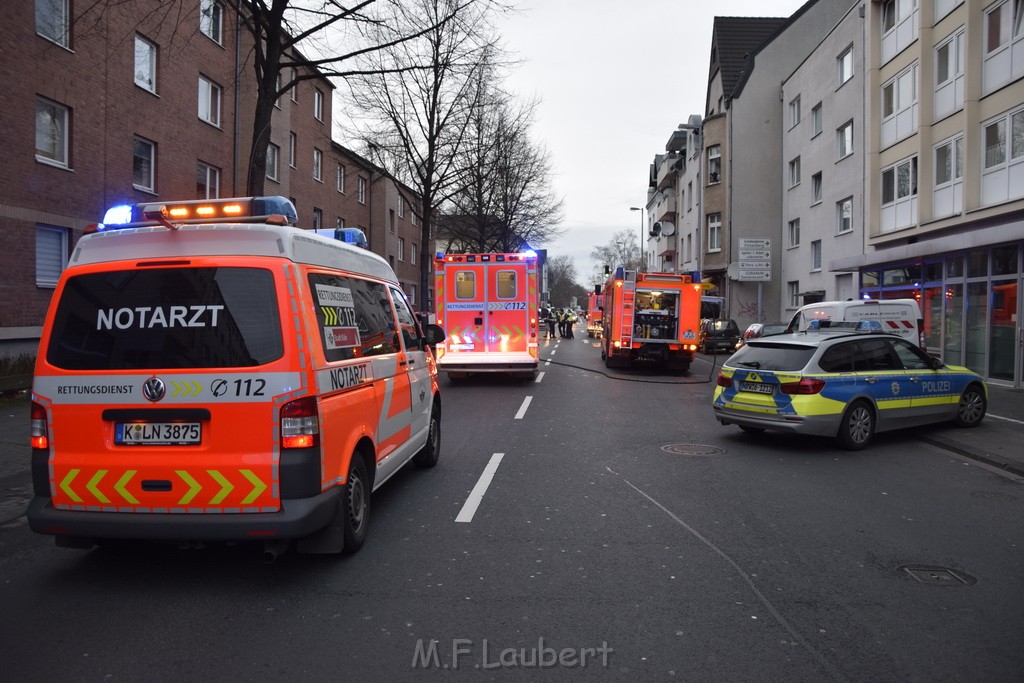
pixel 427 457
pixel 355 505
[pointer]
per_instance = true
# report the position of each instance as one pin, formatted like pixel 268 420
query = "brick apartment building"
pixel 139 103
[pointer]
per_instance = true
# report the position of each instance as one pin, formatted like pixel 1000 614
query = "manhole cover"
pixel 939 576
pixel 692 449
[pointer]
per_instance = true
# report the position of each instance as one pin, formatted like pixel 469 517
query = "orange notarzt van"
pixel 207 372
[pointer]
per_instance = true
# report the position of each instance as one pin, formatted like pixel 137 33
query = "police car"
pixel 847 383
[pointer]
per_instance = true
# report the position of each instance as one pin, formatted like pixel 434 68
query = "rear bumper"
pixel 818 425
pixel 487 362
pixel 297 518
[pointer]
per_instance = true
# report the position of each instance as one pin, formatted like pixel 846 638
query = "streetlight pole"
pixel 643 252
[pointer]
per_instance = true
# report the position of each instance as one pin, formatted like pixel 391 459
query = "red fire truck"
pixel 595 302
pixel 650 317
pixel 488 304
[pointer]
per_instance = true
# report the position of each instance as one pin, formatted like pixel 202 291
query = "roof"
pixel 736 39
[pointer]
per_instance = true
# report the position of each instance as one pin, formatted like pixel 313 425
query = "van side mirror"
pixel 433 334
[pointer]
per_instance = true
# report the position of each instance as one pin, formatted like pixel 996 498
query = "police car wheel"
pixel 857 427
pixel 427 457
pixel 355 505
pixel 972 407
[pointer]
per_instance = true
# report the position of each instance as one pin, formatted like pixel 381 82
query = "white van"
pixel 895 316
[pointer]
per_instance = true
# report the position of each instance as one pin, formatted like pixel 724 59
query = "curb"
pixel 987 458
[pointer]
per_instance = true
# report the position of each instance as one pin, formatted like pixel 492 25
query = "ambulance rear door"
pixel 486 307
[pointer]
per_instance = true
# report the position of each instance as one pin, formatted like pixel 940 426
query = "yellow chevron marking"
pixel 258 486
pixel 226 487
pixel 194 487
pixel 120 487
pixel 65 485
pixel 91 486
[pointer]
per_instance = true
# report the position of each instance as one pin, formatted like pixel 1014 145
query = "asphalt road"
pixel 621 533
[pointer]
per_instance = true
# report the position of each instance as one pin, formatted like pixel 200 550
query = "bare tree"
pixel 416 97
pixel 561 279
pixel 622 250
pixel 507 201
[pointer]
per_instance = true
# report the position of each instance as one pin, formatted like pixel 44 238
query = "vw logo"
pixel 154 389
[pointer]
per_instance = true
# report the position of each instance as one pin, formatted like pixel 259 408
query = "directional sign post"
pixel 755 263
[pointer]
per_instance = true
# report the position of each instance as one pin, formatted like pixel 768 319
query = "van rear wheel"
pixel 355 505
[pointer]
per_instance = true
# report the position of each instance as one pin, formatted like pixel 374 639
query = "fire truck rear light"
pixel 300 427
pixel 37 431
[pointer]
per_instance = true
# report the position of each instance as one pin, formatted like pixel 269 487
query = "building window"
pixel 361 190
pixel 412 254
pixel 144 165
pixel 845 63
pixel 207 181
pixel 816 188
pixel 401 249
pixel 412 217
pixel 714 164
pixel 341 178
pixel 794 232
pixel 292 144
pixel 1004 40
pixel 211 19
pixel 816 119
pixel 844 213
pixel 816 255
pixel 52 121
pixel 53 21
pixel 899 106
pixel 794 111
pixel 318 104
pixel 949 75
pixel 339 223
pixel 295 84
pixel 714 232
pixel 209 101
pixel 318 218
pixel 793 292
pixel 277 89
pixel 1002 176
pixel 899 27
pixel 391 221
pixel 899 195
pixel 51 254
pixel 794 172
pixel 401 206
pixel 273 161
pixel 844 139
pixel 145 64
pixel 318 160
pixel 947 194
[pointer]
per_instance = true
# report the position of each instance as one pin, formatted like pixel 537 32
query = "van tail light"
pixel 300 426
pixel 38 432
pixel 724 381
pixel 807 385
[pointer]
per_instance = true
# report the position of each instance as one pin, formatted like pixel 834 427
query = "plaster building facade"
pixel 127 107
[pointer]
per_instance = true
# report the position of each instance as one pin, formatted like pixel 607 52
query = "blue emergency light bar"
pixel 274 209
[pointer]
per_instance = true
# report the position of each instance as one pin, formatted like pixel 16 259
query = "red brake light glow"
pixel 300 427
pixel 37 432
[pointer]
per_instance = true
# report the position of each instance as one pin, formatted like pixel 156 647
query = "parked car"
pixel 756 330
pixel 843 384
pixel 718 334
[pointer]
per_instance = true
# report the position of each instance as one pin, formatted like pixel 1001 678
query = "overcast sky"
pixel 614 79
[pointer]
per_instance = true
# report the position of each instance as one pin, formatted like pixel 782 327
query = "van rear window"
pixel 167 318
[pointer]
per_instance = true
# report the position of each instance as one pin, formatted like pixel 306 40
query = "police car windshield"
pixel 775 357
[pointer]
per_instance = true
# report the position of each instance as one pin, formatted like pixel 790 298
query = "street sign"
pixel 755 275
pixel 754 265
pixel 755 244
pixel 747 254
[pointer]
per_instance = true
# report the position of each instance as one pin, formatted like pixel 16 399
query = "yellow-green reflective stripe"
pixel 120 487
pixel 194 487
pixel 258 486
pixel 226 487
pixel 65 485
pixel 91 486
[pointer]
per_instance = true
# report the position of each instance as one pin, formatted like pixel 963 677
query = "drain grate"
pixel 692 449
pixel 939 576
